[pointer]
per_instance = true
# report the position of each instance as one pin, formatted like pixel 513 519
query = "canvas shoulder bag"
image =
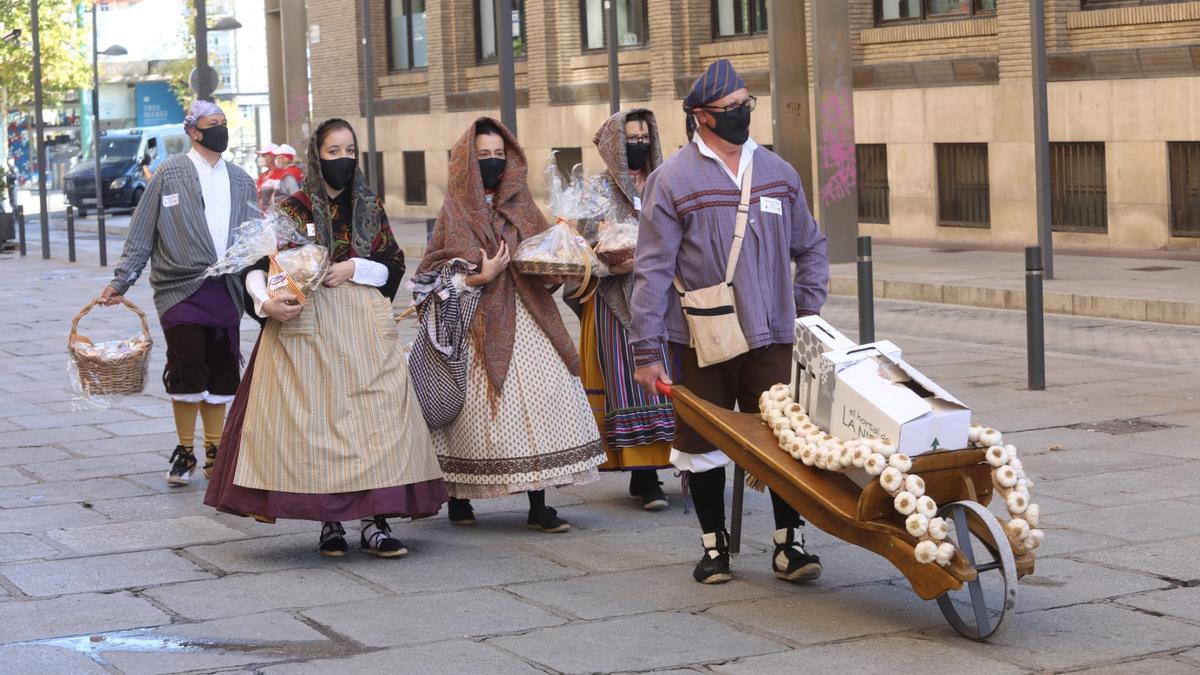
pixel 711 312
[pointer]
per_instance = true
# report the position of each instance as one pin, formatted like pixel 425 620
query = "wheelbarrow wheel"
pixel 982 610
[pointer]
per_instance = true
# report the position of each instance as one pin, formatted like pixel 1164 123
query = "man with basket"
pixel 723 220
pixel 182 225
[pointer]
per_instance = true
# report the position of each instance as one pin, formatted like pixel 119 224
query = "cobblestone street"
pixel 103 568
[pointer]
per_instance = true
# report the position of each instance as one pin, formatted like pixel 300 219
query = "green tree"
pixel 65 66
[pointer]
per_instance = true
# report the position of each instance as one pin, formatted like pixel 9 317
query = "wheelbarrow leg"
pixel 735 520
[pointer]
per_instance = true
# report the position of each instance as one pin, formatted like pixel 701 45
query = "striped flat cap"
pixel 719 81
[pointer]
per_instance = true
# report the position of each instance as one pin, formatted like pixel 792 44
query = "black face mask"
pixel 733 126
pixel 215 138
pixel 492 170
pixel 637 154
pixel 338 172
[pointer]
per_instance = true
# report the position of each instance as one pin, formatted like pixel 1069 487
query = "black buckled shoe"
pixel 377 539
pixel 713 567
pixel 460 511
pixel 791 561
pixel 183 465
pixel 210 460
pixel 333 540
pixel 546 519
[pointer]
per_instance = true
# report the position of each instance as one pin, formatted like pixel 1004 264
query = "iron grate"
pixel 1134 425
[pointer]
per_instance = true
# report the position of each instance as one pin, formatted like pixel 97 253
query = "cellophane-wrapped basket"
pixel 110 368
pixel 560 250
pixel 617 243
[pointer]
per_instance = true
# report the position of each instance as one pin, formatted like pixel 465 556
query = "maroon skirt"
pixel 418 500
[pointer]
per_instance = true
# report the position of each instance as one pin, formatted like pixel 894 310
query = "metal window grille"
pixel 414 177
pixel 567 159
pixel 1184 160
pixel 894 11
pixel 964 195
pixel 633 25
pixel 738 17
pixel 873 188
pixel 1078 187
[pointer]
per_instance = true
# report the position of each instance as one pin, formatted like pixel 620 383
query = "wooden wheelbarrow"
pixel 958 480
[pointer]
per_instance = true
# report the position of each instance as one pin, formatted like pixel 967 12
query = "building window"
pixel 1078 187
pixel 632 23
pixel 1185 188
pixel 872 183
pixel 889 11
pixel 414 177
pixel 486 32
pixel 407 46
pixel 733 18
pixel 963 192
pixel 567 159
pixel 1103 4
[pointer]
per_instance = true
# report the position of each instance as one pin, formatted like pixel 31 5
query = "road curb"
pixel 1074 304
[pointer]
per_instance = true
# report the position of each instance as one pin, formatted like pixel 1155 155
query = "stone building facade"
pixel 943 102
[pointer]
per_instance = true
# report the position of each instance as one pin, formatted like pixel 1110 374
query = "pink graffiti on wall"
pixel 837 154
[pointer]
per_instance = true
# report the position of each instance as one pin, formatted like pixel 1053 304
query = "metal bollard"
pixel 1035 329
pixel 20 212
pixel 866 292
pixel 101 234
pixel 70 233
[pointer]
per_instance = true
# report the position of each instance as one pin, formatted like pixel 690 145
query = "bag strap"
pixel 739 229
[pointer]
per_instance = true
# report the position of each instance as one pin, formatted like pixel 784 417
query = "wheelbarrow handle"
pixel 663 388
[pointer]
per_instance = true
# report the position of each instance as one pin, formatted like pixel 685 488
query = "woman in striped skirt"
pixel 326 425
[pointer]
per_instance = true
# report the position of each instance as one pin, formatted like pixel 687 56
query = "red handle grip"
pixel 663 388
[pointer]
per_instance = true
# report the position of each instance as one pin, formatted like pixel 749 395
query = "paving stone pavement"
pixel 105 569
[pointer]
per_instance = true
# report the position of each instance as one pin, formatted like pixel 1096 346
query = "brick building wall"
pixel 916 84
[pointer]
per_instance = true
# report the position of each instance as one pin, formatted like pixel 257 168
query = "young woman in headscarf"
pixel 526 425
pixel 326 426
pixel 636 427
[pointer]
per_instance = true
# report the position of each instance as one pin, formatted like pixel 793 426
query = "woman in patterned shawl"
pixel 526 425
pixel 637 428
pixel 325 425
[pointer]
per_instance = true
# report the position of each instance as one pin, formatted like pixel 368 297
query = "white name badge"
pixel 637 203
pixel 771 205
pixel 171 200
pixel 312 231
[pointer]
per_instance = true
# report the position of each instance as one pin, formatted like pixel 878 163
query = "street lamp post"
pixel 40 131
pixel 114 50
pixel 204 79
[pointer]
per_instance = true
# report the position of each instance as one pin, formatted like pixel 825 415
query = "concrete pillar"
pixel 287 64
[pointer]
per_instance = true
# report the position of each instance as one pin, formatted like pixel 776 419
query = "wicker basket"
pixel 614 258
pixel 550 268
pixel 108 375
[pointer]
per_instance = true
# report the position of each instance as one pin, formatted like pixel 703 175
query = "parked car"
pixel 123 153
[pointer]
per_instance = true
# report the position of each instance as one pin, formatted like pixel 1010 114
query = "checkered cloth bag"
pixel 438 362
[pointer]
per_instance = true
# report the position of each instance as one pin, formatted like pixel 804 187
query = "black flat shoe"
pixel 460 511
pixel 652 496
pixel 377 539
pixel 333 540
pixel 546 519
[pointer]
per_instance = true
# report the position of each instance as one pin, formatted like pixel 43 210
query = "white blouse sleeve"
pixel 256 284
pixel 369 273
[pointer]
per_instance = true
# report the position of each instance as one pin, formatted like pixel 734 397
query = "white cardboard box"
pixel 886 397
pixel 829 365
pixel 814 336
